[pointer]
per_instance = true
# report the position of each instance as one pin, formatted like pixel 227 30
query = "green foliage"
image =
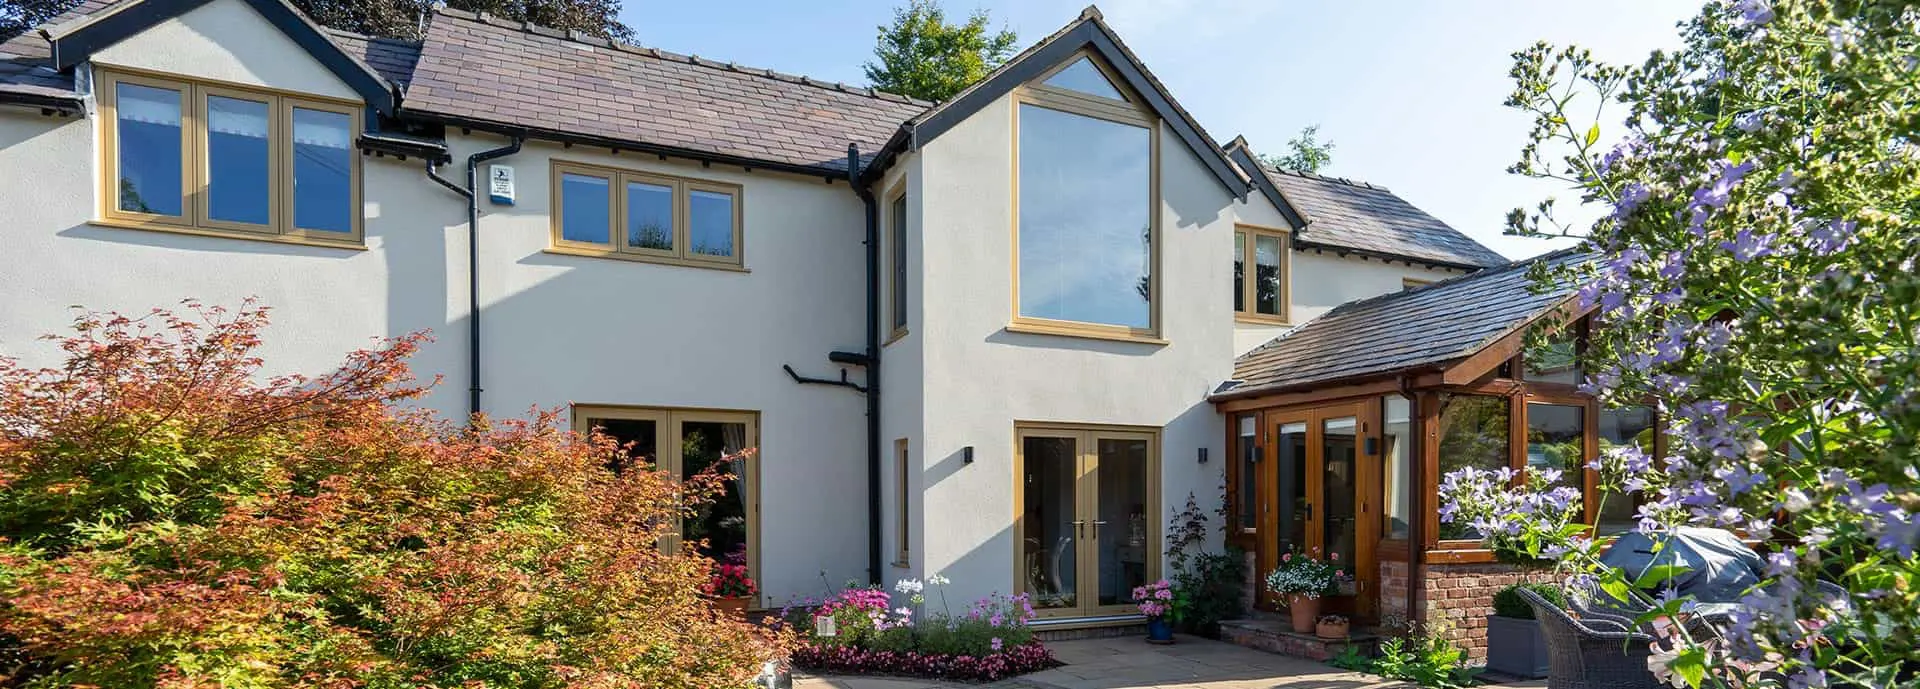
pixel 393 18
pixel 1350 657
pixel 922 55
pixel 172 518
pixel 1305 153
pixel 1428 660
pixel 1207 587
pixel 1507 602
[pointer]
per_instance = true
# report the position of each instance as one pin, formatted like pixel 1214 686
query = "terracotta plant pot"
pixel 1305 612
pixel 735 608
pixel 1328 629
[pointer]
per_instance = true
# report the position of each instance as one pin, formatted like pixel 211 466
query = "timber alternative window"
pixel 1262 294
pixel 1084 224
pixel 903 501
pixel 684 443
pixel 613 213
pixel 897 262
pixel 225 160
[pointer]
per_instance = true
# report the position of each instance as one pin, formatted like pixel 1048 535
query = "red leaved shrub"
pixel 171 518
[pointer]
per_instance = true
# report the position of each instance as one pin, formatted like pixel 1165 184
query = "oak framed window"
pixel 903 502
pixel 642 216
pixel 1261 295
pixel 219 159
pixel 897 262
pixel 682 443
pixel 1085 223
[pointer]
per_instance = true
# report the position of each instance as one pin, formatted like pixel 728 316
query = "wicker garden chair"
pixel 1596 652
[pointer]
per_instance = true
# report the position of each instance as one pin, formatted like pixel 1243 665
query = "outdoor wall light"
pixel 966 455
pixel 1203 455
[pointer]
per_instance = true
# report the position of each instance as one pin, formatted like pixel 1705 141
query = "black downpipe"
pixel 873 362
pixel 472 193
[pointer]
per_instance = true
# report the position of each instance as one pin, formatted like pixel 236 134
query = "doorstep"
pixel 1277 636
pixel 1071 628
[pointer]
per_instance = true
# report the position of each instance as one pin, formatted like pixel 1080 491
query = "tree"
pixel 923 56
pixel 1307 153
pixel 1755 278
pixel 391 18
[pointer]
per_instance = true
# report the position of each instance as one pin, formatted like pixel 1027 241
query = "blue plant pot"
pixel 1159 631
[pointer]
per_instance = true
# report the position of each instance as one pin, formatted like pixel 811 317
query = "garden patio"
pixel 1129 663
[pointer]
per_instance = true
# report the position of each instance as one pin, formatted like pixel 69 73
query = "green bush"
pixel 1507 602
pixel 1428 660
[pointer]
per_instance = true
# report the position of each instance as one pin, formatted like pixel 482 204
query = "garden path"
pixel 1129 663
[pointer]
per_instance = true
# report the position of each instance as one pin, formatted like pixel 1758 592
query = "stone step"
pixel 1277 636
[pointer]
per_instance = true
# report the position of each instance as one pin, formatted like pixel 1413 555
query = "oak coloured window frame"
pixel 903 493
pixel 1037 93
pixel 1249 290
pixel 896 243
pixel 617 247
pixel 194 217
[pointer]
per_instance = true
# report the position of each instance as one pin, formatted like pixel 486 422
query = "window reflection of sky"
pixel 1084 196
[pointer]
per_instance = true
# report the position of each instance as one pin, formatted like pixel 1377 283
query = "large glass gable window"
pixel 1082 76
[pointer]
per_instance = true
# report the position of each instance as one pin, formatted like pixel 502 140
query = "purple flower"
pixel 1832 237
pixel 1754 12
pixel 996 644
pixel 1747 246
pixel 1631 196
pixel 1899 533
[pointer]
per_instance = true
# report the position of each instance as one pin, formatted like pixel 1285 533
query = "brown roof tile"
pixel 486 69
pixel 1358 215
pixel 392 58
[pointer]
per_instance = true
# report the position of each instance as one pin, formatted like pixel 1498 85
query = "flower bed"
pixel 859 631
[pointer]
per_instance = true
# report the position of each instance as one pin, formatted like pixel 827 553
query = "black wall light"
pixel 966 455
pixel 1203 455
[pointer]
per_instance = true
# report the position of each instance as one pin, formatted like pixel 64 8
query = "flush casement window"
pixel 683 443
pixel 903 502
pixel 1086 234
pixel 216 159
pixel 1260 268
pixel 641 216
pixel 897 262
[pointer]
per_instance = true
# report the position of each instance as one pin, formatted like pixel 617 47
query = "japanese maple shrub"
pixel 170 517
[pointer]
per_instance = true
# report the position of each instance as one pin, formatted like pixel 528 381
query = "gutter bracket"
pixel 808 380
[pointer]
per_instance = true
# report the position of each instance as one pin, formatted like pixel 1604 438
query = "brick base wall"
pixel 1393 596
pixel 1459 598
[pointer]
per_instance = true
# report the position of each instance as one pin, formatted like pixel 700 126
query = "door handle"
pixel 1079 526
pixel 1096 527
pixel 1309 507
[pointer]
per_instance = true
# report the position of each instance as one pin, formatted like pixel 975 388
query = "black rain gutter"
pixel 1384 256
pixel 472 194
pixel 565 137
pixel 873 361
pixel 60 104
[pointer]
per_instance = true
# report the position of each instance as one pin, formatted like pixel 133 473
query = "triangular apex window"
pixel 1082 76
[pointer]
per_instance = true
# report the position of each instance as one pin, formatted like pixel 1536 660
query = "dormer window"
pixel 1085 222
pixel 216 159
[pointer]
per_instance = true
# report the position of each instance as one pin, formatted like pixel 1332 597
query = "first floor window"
pixel 685 443
pixel 1085 221
pixel 644 216
pixel 897 261
pixel 1262 293
pixel 228 159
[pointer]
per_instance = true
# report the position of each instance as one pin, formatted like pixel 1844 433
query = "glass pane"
pixel 1290 460
pixel 584 214
pixel 1048 538
pixel 722 524
pixel 897 221
pixel 147 128
pixel 639 437
pixel 1624 426
pixel 1122 539
pixel 1082 76
pixel 1473 433
pixel 1553 361
pixel 1555 441
pixel 1337 483
pixel 710 222
pixel 649 216
pixel 1249 446
pixel 323 171
pixel 1397 433
pixel 1266 263
pixel 1084 219
pixel 238 170
pixel 1239 271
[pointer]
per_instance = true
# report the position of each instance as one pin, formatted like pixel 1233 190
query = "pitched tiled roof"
pixel 476 68
pixel 24 57
pixel 1427 326
pixel 1344 214
pixel 392 58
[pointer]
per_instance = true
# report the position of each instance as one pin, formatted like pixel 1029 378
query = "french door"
pixel 1087 521
pixel 1318 490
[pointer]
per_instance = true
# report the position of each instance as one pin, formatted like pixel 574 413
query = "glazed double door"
pixel 1316 494
pixel 1086 525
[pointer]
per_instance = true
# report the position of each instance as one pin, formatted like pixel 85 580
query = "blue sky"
pixel 1409 92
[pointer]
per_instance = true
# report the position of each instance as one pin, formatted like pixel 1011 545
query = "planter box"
pixel 1516 647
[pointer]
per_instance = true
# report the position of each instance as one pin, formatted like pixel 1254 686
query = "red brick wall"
pixel 1459 598
pixel 1393 595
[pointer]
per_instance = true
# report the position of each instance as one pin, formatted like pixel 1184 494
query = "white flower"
pixel 907 586
pixel 1797 501
pixel 937 580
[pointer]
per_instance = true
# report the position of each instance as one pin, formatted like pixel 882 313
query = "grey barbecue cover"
pixel 1719 567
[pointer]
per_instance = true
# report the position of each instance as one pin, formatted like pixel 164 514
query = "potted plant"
pixel 1515 644
pixel 731 590
pixel 1156 602
pixel 1303 578
pixel 1331 627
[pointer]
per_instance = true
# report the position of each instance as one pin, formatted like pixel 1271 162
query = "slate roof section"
pixel 1356 215
pixel 25 58
pixel 1418 328
pixel 392 58
pixel 508 74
